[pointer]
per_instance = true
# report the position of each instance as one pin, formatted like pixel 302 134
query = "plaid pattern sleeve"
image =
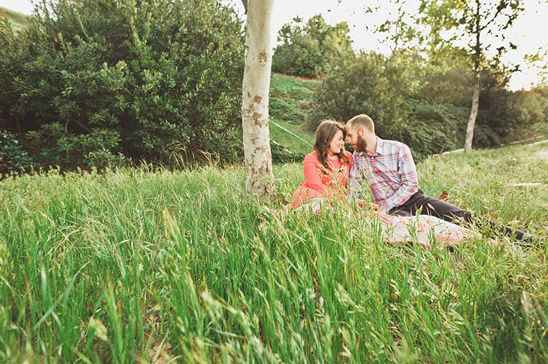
pixel 408 180
pixel 390 172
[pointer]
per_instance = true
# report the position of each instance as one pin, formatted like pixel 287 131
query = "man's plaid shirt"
pixel 390 172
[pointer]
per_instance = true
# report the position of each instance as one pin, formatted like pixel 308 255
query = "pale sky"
pixel 530 31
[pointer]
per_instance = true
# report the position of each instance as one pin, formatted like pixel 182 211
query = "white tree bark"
pixel 473 116
pixel 477 71
pixel 256 86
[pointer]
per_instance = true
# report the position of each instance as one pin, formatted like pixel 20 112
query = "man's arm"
pixel 409 180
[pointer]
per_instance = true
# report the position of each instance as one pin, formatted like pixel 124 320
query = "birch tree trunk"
pixel 473 115
pixel 477 69
pixel 256 85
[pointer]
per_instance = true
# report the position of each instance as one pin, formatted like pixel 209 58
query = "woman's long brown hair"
pixel 324 135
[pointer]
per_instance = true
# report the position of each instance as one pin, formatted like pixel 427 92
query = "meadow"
pixel 157 266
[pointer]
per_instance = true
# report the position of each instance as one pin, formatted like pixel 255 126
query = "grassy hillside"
pixel 289 104
pixel 17 20
pixel 135 266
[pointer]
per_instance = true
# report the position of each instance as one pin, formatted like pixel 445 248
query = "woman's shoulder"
pixel 312 157
pixel 349 156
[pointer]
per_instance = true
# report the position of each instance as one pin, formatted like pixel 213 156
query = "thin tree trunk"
pixel 473 115
pixel 475 96
pixel 256 86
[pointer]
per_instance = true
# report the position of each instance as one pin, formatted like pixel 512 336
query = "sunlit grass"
pixel 136 266
pixel 289 105
pixel 16 20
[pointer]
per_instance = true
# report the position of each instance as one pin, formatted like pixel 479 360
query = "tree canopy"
pixel 306 49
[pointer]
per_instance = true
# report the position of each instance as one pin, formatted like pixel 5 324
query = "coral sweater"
pixel 325 182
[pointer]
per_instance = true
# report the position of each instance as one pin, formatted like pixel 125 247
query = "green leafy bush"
pixel 531 109
pixel 281 155
pixel 14 159
pixel 158 80
pixel 503 115
pixel 54 146
pixel 363 84
pixel 433 128
pixel 307 49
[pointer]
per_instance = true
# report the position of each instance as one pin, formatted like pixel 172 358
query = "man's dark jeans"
pixel 443 210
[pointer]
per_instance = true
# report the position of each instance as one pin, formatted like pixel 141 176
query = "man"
pixel 389 169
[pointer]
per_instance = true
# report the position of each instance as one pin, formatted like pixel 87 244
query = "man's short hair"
pixel 362 121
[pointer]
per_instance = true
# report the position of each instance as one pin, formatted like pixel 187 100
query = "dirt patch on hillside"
pixel 543 153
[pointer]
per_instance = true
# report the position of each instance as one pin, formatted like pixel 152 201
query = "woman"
pixel 326 169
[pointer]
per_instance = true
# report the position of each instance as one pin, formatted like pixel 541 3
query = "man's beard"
pixel 360 145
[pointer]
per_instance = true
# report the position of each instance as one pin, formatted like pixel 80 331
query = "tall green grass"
pixel 140 266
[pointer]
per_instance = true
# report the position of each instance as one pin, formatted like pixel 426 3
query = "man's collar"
pixel 380 146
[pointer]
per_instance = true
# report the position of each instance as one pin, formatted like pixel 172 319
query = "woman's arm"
pixel 311 166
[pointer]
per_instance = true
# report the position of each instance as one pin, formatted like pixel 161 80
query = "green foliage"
pixel 14 159
pixel 306 50
pixel 280 154
pixel 426 105
pixel 395 23
pixel 448 86
pixel 160 80
pixel 433 128
pixel 130 266
pixel 530 111
pixel 468 21
pixel 54 146
pixel 503 116
pixel 366 83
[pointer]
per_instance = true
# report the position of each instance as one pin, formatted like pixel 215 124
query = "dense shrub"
pixel 306 50
pixel 503 115
pixel 530 110
pixel 362 84
pixel 447 86
pixel 151 80
pixel 282 155
pixel 433 128
pixel 52 145
pixel 14 159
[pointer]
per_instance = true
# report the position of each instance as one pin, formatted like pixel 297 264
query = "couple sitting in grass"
pixel 407 214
